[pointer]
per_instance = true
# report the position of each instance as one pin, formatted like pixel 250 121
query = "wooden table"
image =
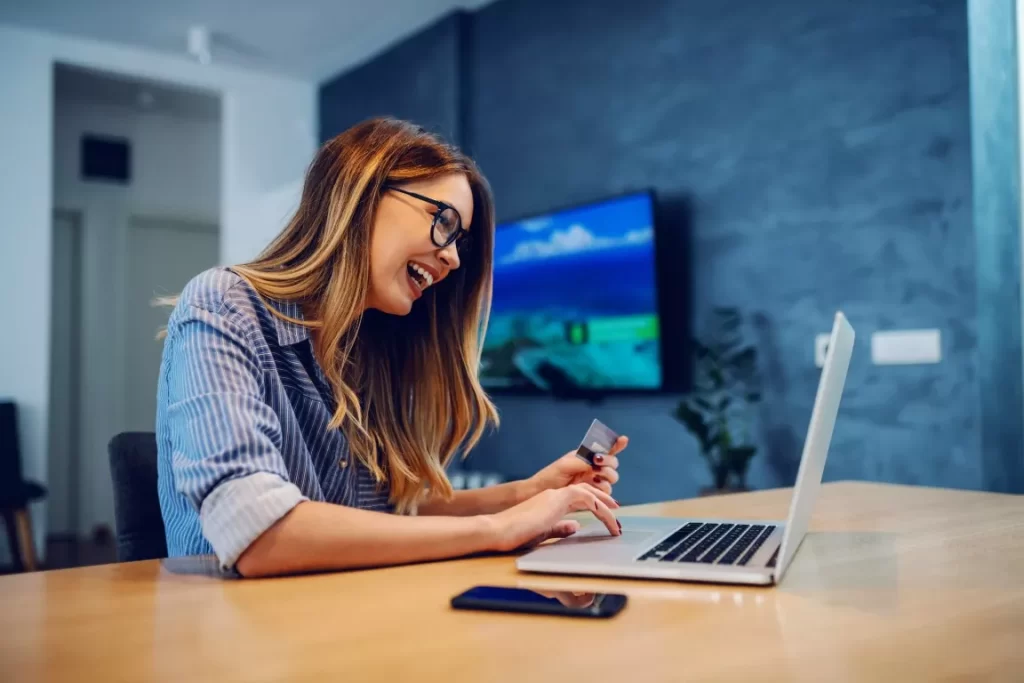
pixel 893 583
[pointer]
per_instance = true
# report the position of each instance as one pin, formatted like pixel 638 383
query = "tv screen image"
pixel 575 307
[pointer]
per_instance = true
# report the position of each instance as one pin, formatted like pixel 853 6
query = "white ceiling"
pixel 311 39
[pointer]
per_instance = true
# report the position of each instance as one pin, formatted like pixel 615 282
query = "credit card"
pixel 599 439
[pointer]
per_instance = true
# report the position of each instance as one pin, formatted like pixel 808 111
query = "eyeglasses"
pixel 446 227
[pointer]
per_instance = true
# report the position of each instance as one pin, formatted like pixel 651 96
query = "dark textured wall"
pixel 997 209
pixel 418 79
pixel 823 152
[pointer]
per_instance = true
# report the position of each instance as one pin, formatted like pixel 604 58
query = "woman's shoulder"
pixel 219 291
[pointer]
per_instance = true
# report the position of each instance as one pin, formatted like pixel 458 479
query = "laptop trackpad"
pixel 596 544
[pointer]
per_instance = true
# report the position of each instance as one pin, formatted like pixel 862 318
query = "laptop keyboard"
pixel 713 544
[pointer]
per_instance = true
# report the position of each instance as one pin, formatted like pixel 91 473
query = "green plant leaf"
pixel 693 420
pixel 724 403
pixel 703 403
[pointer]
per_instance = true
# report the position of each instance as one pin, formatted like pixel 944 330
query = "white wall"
pixel 268 129
pixel 175 161
pixel 175 164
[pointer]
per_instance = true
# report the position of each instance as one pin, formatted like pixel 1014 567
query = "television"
pixel 575 310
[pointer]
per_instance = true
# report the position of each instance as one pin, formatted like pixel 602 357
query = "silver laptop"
pixel 715 550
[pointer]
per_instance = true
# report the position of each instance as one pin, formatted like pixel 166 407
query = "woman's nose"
pixel 450 257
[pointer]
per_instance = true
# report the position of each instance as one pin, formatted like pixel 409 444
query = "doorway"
pixel 163 255
pixel 65 335
pixel 136 167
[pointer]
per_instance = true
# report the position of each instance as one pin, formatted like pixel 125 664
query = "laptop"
pixel 713 550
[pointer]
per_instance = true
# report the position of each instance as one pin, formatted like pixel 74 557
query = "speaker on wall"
pixel 105 158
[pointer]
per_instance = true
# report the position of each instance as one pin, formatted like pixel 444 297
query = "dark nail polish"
pixel 620 525
pixel 598 458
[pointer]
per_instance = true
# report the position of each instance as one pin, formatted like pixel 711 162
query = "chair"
pixel 15 492
pixel 140 526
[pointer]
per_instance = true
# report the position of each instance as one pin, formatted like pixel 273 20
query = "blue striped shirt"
pixel 241 425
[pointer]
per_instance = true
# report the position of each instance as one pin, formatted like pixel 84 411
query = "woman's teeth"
pixel 420 275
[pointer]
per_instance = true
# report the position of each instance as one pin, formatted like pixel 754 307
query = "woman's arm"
pixel 484 501
pixel 565 471
pixel 321 536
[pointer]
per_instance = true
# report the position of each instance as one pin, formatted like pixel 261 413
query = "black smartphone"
pixel 564 603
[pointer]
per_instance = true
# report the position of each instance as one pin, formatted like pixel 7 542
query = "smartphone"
pixel 562 603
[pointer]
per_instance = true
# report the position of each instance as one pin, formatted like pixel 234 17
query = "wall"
pixel 268 138
pixel 825 154
pixel 418 79
pixel 175 161
pixel 175 174
pixel 822 156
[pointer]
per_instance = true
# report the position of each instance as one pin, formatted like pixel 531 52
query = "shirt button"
pixel 342 463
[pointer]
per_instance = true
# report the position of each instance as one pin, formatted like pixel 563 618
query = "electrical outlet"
pixel 821 349
pixel 906 347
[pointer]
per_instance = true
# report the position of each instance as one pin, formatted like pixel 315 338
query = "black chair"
pixel 15 492
pixel 140 527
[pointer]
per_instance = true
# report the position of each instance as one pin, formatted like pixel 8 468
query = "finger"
pixel 602 485
pixel 606 474
pixel 605 498
pixel 589 498
pixel 606 461
pixel 619 445
pixel 605 514
pixel 563 528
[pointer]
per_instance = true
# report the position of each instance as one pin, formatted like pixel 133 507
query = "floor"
pixel 63 552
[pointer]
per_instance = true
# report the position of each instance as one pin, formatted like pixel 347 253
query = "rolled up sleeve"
pixel 226 439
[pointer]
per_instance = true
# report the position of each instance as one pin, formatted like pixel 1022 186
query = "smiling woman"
pixel 307 396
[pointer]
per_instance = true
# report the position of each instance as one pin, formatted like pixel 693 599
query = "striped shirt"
pixel 241 425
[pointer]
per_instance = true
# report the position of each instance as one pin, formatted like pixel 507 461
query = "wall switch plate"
pixel 821 349
pixel 906 347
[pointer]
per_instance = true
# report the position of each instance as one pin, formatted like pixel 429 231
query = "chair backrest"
pixel 140 526
pixel 10 453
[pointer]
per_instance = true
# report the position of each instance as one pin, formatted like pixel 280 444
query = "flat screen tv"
pixel 576 302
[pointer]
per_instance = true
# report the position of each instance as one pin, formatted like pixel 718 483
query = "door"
pixel 65 336
pixel 163 255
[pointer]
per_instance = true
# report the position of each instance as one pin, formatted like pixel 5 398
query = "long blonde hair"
pixel 407 393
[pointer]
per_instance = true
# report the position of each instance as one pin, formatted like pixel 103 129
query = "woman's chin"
pixel 398 305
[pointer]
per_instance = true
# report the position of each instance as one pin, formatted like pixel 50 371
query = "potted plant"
pixel 719 411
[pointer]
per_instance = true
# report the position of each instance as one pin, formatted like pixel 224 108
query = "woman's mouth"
pixel 419 277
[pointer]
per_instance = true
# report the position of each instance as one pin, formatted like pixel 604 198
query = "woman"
pixel 308 396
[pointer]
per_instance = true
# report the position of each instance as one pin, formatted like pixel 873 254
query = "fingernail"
pixel 620 525
pixel 598 458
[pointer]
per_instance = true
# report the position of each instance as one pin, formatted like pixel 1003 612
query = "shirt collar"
pixel 288 333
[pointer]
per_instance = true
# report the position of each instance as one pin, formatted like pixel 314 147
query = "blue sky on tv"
pixel 624 222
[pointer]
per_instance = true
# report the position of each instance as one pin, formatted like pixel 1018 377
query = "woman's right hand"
pixel 541 517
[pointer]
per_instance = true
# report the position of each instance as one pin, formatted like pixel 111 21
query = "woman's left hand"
pixel 571 469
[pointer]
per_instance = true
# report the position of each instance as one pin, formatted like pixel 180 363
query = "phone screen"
pixel 568 603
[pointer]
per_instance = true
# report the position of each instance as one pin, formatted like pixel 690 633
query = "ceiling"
pixel 310 39
pixel 84 85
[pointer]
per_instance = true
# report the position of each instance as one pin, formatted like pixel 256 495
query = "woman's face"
pixel 403 260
